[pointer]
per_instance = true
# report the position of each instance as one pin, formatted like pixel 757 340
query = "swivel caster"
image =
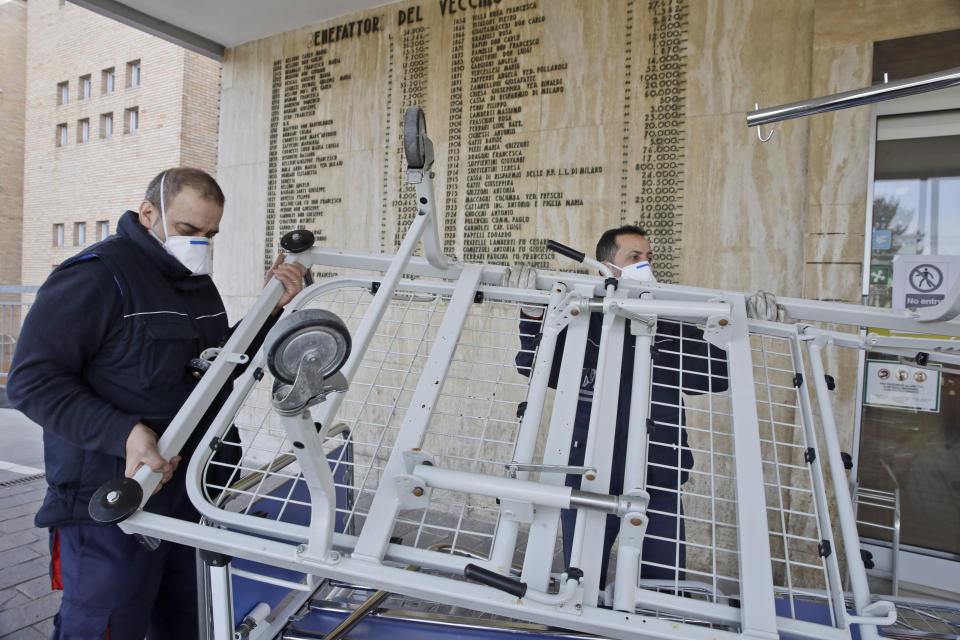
pixel 316 332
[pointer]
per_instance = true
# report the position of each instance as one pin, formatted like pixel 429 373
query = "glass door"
pixel 913 448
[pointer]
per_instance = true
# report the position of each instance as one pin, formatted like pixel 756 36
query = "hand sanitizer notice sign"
pixel 923 281
pixel 900 386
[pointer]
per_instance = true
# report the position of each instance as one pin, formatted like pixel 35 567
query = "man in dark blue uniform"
pixel 101 365
pixel 682 363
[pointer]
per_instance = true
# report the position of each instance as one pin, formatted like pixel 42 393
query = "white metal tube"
pixel 260 577
pixel 308 447
pixel 566 592
pixel 600 383
pixel 797 308
pixel 543 529
pixel 221 601
pixel 420 585
pixel 505 539
pixel 675 309
pixel 756 579
pixel 375 536
pixel 895 549
pixel 848 528
pixel 835 586
pixel 221 422
pixel 635 471
pixel 431 236
pixel 495 487
pixel 645 598
pixel 598 453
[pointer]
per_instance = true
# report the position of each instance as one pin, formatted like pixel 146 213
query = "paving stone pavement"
pixel 27 604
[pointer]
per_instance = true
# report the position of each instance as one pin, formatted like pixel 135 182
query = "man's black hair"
pixel 607 246
pixel 174 181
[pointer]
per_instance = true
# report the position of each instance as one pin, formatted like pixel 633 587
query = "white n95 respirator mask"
pixel 639 271
pixel 196 254
pixel 193 252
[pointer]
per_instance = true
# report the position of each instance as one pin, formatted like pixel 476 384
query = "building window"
pixel 132 120
pixel 63 92
pixel 62 134
pixel 107 80
pixel 79 233
pixel 85 87
pixel 106 125
pixel 103 229
pixel 133 73
pixel 83 130
pixel 58 235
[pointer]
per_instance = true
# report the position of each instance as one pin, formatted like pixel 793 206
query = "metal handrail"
pixel 845 99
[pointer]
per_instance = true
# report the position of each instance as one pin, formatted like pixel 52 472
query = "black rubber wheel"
pixel 307 330
pixel 115 501
pixel 297 241
pixel 414 134
pixel 197 367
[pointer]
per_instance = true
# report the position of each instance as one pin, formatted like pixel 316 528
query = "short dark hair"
pixel 607 244
pixel 174 180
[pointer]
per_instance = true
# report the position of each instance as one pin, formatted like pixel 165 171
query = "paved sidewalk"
pixel 27 604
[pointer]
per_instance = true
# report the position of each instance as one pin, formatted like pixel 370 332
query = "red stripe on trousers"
pixel 56 580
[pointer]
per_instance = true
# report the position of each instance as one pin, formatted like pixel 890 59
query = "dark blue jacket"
pixel 682 363
pixel 104 346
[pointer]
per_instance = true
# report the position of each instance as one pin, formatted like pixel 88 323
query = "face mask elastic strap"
pixel 163 209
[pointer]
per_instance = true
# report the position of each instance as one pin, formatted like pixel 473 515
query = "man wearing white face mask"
pixel 193 251
pixel 683 363
pixel 101 365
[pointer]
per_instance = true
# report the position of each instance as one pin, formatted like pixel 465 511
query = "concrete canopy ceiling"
pixel 209 26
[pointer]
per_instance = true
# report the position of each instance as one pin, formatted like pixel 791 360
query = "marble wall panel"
pixel 832 281
pixel 745 51
pixel 840 22
pixel 835 218
pixel 840 140
pixel 744 206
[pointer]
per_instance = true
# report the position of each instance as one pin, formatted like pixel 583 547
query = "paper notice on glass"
pixel 900 386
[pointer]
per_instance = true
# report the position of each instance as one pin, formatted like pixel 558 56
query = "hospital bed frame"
pixel 400 348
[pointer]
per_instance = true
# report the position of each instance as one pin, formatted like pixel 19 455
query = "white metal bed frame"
pixel 428 351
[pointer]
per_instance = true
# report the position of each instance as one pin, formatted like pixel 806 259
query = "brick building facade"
pixel 107 108
pixel 13 45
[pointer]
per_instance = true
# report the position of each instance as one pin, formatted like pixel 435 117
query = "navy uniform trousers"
pixel 117 589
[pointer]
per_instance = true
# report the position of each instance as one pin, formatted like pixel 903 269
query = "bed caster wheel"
pixel 116 501
pixel 316 333
pixel 297 241
pixel 197 367
pixel 416 145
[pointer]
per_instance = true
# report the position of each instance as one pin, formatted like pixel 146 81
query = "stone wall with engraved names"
pixel 539 132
